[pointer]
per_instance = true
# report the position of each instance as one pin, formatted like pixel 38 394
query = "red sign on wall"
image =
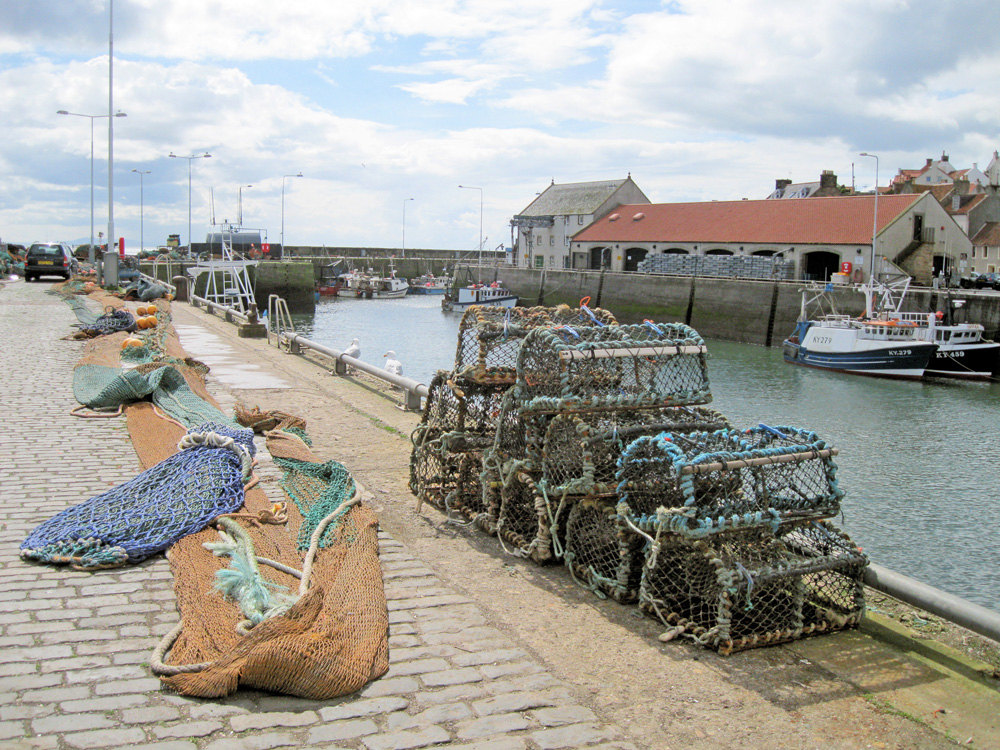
pixel 846 266
pixel 265 247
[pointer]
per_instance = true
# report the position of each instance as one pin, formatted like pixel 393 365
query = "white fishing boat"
pixel 865 346
pixel 464 297
pixel 382 287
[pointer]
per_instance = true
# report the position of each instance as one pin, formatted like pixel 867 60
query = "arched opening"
pixel 600 257
pixel 676 251
pixel 765 253
pixel 718 251
pixel 820 265
pixel 633 257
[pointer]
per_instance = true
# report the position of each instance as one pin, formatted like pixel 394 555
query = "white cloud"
pixel 399 98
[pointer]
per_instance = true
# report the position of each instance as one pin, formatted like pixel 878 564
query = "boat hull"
pixel 467 297
pixel 977 361
pixel 905 362
pixel 427 290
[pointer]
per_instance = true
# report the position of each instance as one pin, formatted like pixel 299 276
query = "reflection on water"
pixel 918 461
pixel 423 337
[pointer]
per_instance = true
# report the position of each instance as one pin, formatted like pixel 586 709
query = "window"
pixel 552 240
pixel 579 219
pixel 539 261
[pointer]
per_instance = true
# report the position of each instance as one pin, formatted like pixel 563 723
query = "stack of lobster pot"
pixel 461 412
pixel 582 394
pixel 725 532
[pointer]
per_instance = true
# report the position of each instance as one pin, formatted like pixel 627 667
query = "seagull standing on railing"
pixel 392 364
pixel 353 350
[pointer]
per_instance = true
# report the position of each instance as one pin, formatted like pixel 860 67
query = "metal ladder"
pixel 236 291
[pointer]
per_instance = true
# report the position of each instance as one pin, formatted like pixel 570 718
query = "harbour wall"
pixel 749 311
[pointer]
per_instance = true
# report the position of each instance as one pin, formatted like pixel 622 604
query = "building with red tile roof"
pixel 913 231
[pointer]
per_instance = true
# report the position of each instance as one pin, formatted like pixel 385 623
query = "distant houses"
pixel 931 221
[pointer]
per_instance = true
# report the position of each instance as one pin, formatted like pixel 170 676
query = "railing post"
pixel 412 400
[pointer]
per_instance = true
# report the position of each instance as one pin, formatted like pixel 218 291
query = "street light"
pixel 875 219
pixel 191 158
pixel 470 187
pixel 404 224
pixel 142 240
pixel 239 204
pixel 90 254
pixel 283 177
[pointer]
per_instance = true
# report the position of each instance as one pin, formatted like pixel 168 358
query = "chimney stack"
pixel 781 184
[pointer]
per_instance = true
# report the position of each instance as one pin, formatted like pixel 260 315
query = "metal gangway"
pixel 228 282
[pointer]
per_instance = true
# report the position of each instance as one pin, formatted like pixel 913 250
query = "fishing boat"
pixel 464 297
pixel 962 351
pixel 860 346
pixel 382 287
pixel 430 284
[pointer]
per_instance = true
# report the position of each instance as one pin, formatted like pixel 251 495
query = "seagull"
pixel 353 350
pixel 392 364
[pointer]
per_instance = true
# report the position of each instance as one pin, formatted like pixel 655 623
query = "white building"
pixel 545 226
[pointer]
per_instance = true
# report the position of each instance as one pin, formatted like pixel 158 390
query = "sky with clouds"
pixel 386 100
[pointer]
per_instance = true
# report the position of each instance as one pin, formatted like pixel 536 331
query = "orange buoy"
pixel 151 321
pixel 151 309
pixel 140 310
pixel 132 342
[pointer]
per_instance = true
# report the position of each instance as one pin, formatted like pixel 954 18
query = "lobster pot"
pixel 567 368
pixel 458 424
pixel 445 477
pixel 458 404
pixel 489 338
pixel 602 554
pixel 834 594
pixel 715 481
pixel 580 451
pixel 531 522
pixel 746 589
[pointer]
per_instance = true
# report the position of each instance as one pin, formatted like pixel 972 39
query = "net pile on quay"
pixel 285 597
pixel 577 440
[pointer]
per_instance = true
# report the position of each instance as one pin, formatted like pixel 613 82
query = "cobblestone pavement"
pixel 74 646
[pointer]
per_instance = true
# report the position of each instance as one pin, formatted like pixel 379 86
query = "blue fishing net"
pixel 111 321
pixel 132 521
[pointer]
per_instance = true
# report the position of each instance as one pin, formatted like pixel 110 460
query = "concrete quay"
pixel 487 652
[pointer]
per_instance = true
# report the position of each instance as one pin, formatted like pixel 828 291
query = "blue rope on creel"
pixel 130 522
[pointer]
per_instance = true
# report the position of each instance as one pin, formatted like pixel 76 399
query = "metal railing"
pixel 281 332
pixel 413 390
pixel 229 313
pixel 978 619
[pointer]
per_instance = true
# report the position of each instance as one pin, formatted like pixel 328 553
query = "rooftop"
pixel 841 221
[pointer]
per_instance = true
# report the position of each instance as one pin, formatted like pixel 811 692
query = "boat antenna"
pixel 211 193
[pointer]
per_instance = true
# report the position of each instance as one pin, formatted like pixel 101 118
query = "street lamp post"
pixel 405 200
pixel 283 178
pixel 470 187
pixel 191 158
pixel 142 235
pixel 90 254
pixel 239 205
pixel 875 219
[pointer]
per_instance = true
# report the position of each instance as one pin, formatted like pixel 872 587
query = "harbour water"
pixel 919 461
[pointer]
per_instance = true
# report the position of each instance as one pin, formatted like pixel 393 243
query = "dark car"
pixel 49 259
pixel 987 281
